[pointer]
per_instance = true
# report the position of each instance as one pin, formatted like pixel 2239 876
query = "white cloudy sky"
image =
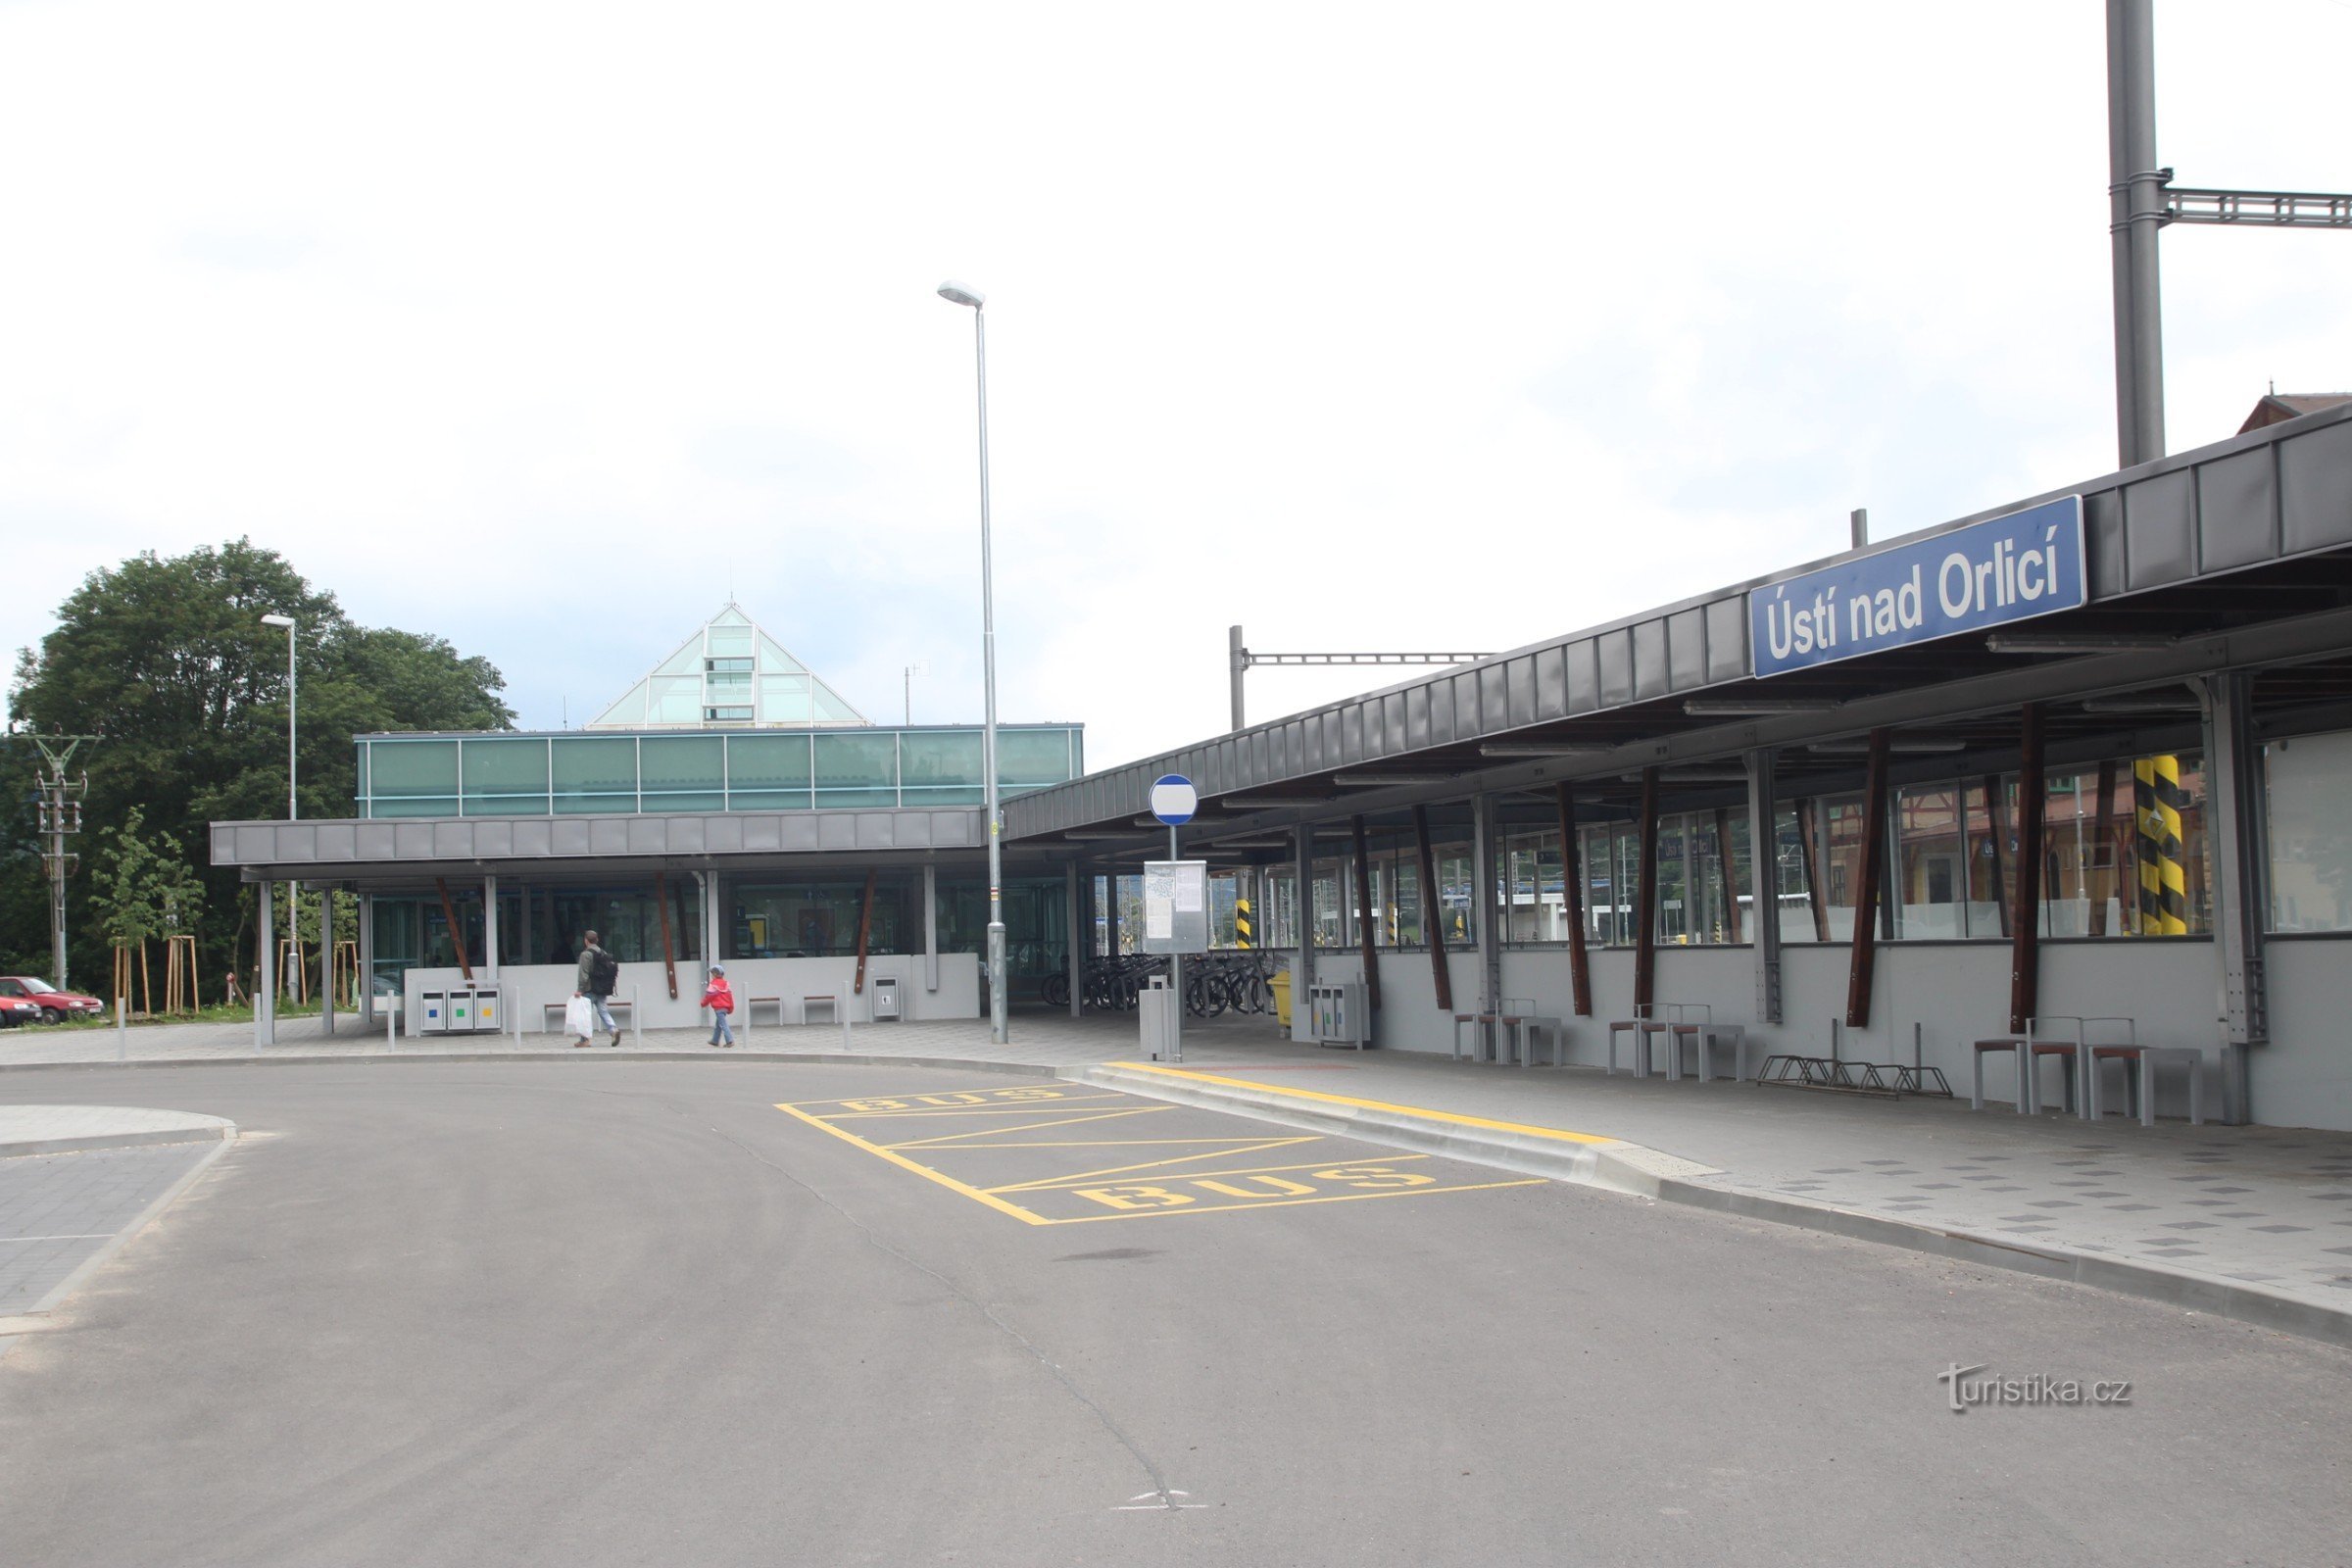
pixel 544 326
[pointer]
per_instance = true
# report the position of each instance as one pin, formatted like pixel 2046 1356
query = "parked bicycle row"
pixel 1213 983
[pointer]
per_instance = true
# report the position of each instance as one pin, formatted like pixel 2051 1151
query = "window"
pixel 595 775
pixel 682 772
pixel 767 772
pixel 817 920
pixel 727 666
pixel 2306 783
pixel 504 777
pixel 1929 885
pixel 412 778
pixel 857 771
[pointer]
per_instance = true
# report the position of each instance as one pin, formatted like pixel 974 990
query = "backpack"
pixel 604 972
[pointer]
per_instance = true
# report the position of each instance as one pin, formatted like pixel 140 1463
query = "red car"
pixel 56 1006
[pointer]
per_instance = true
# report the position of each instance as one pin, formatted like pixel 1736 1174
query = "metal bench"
pixel 832 1005
pixel 1519 1020
pixel 1484 1049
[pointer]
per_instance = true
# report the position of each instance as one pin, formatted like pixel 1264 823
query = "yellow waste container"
pixel 1280 985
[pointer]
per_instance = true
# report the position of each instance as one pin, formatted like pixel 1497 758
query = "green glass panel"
pixel 1028 758
pixel 675 699
pixel 725 641
pixel 768 763
pixel 857 762
pixel 596 775
pixel 683 800
pixel 943 795
pixel 691 762
pixel 499 769
pixel 767 800
pixel 413 769
pixel 943 758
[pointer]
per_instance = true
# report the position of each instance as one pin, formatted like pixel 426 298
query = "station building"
pixel 2085 755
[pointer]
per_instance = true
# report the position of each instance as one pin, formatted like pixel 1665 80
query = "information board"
pixel 1175 906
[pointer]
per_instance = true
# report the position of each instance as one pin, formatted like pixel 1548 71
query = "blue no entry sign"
pixel 1174 799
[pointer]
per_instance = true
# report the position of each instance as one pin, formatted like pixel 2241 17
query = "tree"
pixel 167 659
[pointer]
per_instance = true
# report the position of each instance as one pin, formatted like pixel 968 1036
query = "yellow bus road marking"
pixel 1452 1118
pixel 971 1111
pixel 925 1171
pixel 1054 1183
pixel 1292 1202
pixel 1157 1164
pixel 942 1139
pixel 1169 1184
pixel 934 1099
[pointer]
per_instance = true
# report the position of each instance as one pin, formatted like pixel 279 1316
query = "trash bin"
pixel 1280 985
pixel 885 997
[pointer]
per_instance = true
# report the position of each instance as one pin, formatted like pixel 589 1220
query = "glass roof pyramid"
pixel 729 675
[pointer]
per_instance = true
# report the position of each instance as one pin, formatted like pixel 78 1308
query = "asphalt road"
pixel 600 1312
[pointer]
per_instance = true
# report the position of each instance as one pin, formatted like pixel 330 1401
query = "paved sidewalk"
pixel 77 1182
pixel 2248 1210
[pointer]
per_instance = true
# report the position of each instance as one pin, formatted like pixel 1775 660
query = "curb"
pixel 81 1146
pixel 1632 1169
pixel 122 1238
pixel 1027 1070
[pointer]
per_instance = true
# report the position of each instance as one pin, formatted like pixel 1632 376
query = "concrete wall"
pixel 2303 1078
pixel 1957 992
pixel 528 989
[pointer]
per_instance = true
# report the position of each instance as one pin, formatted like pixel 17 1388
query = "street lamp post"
pixel 958 294
pixel 268 977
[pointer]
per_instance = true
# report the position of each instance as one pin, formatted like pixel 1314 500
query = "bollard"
pixel 636 1017
pixel 845 1031
pixel 122 1029
pixel 391 1023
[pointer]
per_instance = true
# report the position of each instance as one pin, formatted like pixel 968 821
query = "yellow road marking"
pixel 1020 1096
pixel 1026 1108
pixel 1050 1183
pixel 1084 1143
pixel 1157 1164
pixel 1288 1203
pixel 1035 1126
pixel 1452 1118
pixel 925 1171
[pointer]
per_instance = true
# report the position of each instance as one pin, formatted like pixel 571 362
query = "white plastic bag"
pixel 579 1016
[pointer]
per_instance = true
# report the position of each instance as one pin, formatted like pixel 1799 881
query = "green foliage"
pixel 167 659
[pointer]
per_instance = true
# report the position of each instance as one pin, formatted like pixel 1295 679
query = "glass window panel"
pixel 1457 886
pixel 682 772
pixel 2068 830
pixel 723 642
pixel 727 686
pixel 777 764
pixel 942 769
pixel 687 660
pixel 674 700
pixel 1796 893
pixel 831 709
pixel 816 919
pixel 857 769
pixel 1032 758
pixel 1930 881
pixel 1841 824
pixel 627 921
pixel 784 699
pixel 1330 890
pixel 1674 894
pixel 506 777
pixel 2307 783
pixel 413 771
pixel 596 775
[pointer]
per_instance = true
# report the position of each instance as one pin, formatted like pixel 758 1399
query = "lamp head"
pixel 278 620
pixel 956 293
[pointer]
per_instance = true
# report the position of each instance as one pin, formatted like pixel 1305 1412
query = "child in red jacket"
pixel 721 999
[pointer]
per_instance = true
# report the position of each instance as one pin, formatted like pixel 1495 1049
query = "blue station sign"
pixel 1987 575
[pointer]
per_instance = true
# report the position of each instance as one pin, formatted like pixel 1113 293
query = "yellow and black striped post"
pixel 1242 934
pixel 2157 799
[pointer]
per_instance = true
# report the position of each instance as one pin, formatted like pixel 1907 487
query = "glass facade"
pixel 2306 782
pixel 769 770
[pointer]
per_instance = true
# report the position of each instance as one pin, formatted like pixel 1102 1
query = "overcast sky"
pixel 547 327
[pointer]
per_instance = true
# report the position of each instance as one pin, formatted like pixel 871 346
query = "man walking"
pixel 598 973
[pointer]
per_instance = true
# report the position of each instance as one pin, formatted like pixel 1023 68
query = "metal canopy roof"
pixel 2239 554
